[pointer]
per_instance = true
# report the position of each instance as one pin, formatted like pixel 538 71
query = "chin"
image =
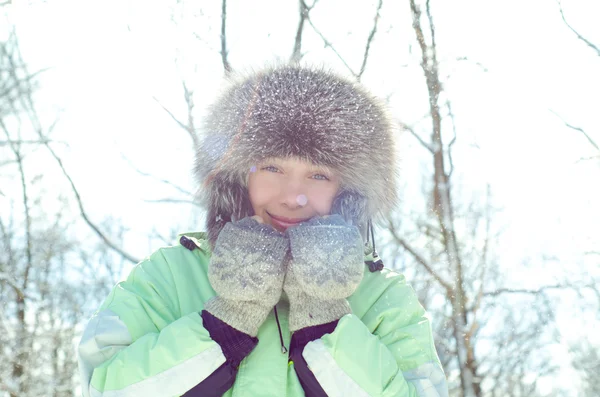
pixel 276 226
pixel 279 229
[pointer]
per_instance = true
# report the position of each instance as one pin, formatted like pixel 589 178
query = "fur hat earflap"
pixel 303 112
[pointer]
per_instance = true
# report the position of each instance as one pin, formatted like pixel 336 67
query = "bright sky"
pixel 110 59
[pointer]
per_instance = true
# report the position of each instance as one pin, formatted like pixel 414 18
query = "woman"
pixel 275 299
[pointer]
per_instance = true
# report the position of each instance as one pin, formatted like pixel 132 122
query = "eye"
pixel 270 168
pixel 324 178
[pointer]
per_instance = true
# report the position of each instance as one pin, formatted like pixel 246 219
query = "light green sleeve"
pixel 384 349
pixel 139 344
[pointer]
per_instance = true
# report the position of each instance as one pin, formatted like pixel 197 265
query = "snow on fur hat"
pixel 303 112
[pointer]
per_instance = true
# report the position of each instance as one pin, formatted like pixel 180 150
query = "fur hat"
pixel 303 112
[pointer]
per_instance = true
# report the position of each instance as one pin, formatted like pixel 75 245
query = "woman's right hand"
pixel 246 271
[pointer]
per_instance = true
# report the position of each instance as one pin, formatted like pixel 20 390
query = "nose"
pixel 293 196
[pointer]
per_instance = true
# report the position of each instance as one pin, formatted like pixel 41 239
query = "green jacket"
pixel 147 339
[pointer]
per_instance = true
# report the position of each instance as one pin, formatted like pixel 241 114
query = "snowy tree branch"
pixel 369 40
pixel 479 64
pixel 26 142
pixel 165 181
pixel 329 45
pixel 84 215
pixel 581 130
pixel 304 10
pixel 417 137
pixel 442 206
pixel 453 140
pixel 28 101
pixel 579 36
pixel 560 286
pixel 422 261
pixel 8 280
pixel 226 65
pixel 173 201
pixel 18 364
pixel 190 127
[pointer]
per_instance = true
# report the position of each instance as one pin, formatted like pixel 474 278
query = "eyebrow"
pixel 313 167
pixel 324 170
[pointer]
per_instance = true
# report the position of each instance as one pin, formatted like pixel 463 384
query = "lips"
pixel 284 222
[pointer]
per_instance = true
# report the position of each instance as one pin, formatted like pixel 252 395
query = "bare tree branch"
pixel 166 182
pixel 41 300
pixel 84 215
pixel 590 140
pixel 585 358
pixel 417 137
pixel 453 140
pixel 190 128
pixel 226 65
pixel 422 261
pixel 579 36
pixel 19 159
pixel 18 82
pixel 443 202
pixel 28 101
pixel 562 286
pixel 181 124
pixel 26 142
pixel 328 44
pixel 483 263
pixel 483 68
pixel 369 40
pixel 18 365
pixel 297 53
pixel 7 279
pixel 173 201
pixel 443 207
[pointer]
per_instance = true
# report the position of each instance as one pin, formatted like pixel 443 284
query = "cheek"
pixel 260 190
pixel 322 199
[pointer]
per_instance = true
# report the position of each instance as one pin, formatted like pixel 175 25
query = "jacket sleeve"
pixel 384 349
pixel 138 344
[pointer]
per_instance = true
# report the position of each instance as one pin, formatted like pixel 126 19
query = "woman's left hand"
pixel 326 267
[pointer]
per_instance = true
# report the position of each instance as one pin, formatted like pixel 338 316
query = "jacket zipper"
pixel 283 349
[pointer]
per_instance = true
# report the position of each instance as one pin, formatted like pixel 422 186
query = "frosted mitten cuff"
pixel 306 310
pixel 243 316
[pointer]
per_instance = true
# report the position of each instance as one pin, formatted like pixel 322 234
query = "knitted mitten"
pixel 325 267
pixel 246 270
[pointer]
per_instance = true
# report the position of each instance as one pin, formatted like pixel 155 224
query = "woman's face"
pixel 285 191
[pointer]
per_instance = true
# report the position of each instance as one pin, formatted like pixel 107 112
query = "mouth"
pixel 283 222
